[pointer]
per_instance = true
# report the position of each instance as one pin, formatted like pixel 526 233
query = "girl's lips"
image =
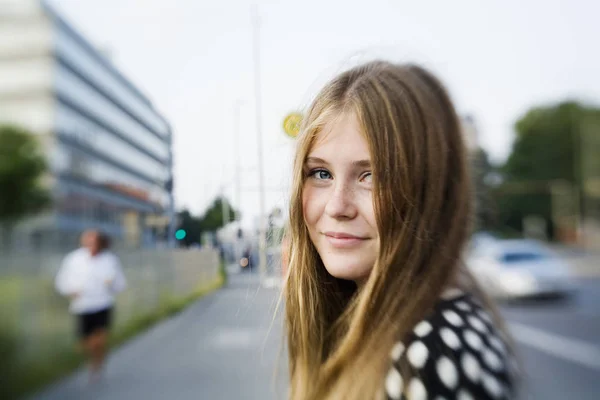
pixel 343 235
pixel 343 240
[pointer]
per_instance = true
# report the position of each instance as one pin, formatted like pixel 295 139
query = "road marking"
pixel 272 282
pixel 235 339
pixel 559 346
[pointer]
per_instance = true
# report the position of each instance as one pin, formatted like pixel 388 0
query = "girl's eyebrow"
pixel 362 163
pixel 316 160
pixel 358 163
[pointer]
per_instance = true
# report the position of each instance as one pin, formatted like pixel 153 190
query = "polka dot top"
pixel 456 353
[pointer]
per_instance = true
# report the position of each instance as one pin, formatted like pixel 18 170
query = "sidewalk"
pixel 221 347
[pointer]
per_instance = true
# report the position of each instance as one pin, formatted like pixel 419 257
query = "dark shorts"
pixel 91 322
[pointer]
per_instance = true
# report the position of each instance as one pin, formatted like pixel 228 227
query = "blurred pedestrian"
pixel 378 301
pixel 246 261
pixel 91 276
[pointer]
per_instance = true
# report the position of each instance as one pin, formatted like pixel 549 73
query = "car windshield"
pixel 513 257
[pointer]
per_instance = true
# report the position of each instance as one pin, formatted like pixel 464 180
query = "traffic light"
pixel 180 234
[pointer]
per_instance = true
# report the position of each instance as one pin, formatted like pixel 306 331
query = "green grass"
pixel 168 308
pixel 10 294
pixel 223 272
pixel 20 379
pixel 9 287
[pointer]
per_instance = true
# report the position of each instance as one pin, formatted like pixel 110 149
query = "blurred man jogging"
pixel 91 276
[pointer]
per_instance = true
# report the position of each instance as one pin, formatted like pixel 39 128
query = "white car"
pixel 519 268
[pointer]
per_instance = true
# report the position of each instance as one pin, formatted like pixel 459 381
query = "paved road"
pixel 559 343
pixel 222 347
pixel 216 349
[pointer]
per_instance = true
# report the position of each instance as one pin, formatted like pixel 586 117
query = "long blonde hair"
pixel 339 337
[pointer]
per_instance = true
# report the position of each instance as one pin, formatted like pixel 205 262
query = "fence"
pixel 34 320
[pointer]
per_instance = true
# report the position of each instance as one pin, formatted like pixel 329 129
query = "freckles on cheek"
pixel 305 210
pixel 309 208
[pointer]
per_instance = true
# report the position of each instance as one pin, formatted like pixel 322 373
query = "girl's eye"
pixel 367 177
pixel 320 174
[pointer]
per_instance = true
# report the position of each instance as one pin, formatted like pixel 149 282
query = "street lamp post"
pixel 262 242
pixel 236 146
pixel 224 208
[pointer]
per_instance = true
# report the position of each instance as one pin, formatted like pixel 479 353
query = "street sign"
pixel 291 124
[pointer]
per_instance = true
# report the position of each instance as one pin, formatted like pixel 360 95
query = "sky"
pixel 194 60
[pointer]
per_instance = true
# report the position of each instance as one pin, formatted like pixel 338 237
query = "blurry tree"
pixel 22 166
pixel 547 144
pixel 213 218
pixel 482 174
pixel 209 222
pixel 192 227
pixel 547 148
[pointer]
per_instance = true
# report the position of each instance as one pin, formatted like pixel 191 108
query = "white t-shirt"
pixel 95 280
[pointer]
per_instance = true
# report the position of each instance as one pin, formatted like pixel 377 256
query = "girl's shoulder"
pixel 457 352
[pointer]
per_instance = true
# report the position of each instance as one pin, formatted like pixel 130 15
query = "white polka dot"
pixel 473 339
pixel 423 328
pixel 417 354
pixel 397 351
pixel 447 372
pixel 450 338
pixel 471 367
pixel 497 344
pixel 464 395
pixel 453 318
pixel 477 324
pixel 463 306
pixel 416 390
pixel 394 384
pixel 491 385
pixel 451 293
pixel 492 360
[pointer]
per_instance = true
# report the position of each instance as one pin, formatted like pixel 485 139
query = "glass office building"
pixel 108 148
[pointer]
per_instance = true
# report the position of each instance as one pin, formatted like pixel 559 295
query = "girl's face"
pixel 337 200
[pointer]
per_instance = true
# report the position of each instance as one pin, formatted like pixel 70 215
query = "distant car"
pixel 519 268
